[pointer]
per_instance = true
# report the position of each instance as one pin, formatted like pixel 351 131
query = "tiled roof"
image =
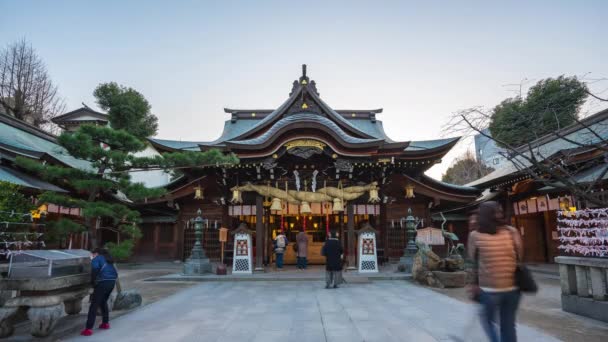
pixel 301 118
pixel 18 136
pixel 21 179
pixel 423 145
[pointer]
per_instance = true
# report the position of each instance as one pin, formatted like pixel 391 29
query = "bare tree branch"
pixel 26 89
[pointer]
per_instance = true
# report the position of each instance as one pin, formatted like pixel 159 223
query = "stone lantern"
pixel 197 263
pixel 410 250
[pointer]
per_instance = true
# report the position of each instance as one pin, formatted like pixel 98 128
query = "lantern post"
pixel 407 260
pixel 197 263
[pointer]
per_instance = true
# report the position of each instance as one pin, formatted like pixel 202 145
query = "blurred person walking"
pixel 496 249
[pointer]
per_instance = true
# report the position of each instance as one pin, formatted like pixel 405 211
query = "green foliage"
pixel 465 170
pixel 62 228
pixel 11 200
pixel 128 109
pixel 185 159
pixel 110 152
pixel 120 251
pixel 550 104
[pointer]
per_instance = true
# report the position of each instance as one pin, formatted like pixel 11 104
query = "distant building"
pixel 487 152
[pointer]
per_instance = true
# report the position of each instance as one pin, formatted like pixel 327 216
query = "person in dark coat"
pixel 103 279
pixel 332 251
pixel 302 249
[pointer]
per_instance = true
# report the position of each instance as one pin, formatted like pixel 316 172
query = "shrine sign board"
pixel 242 262
pixel 368 254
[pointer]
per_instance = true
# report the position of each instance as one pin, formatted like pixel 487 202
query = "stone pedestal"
pixel 197 266
pixel 583 281
pixel 44 319
pixel 73 306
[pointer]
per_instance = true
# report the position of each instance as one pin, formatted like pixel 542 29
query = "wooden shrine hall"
pixel 303 166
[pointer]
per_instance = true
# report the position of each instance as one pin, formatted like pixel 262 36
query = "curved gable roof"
pixel 304 118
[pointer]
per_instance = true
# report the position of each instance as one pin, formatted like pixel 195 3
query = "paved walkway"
pixel 305 311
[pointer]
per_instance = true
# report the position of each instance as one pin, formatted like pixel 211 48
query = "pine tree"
pixel 104 191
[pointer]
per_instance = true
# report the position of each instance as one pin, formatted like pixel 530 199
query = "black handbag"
pixel 524 280
pixel 523 277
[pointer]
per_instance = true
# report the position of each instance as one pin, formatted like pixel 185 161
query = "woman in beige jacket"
pixel 496 247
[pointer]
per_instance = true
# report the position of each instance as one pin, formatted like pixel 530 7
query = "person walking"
pixel 332 251
pixel 496 248
pixel 280 243
pixel 103 279
pixel 302 250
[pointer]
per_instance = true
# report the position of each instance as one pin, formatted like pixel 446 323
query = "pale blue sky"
pixel 420 61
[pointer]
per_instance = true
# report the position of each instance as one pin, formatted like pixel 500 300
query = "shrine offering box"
pixel 48 263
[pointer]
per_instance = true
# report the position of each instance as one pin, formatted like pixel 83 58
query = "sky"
pixel 419 61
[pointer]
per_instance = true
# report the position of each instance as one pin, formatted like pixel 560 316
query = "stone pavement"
pixel 303 311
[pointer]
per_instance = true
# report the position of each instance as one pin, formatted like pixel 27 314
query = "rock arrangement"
pixel 431 270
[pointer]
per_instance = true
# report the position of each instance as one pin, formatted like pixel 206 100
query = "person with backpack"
pixel 103 279
pixel 280 243
pixel 496 249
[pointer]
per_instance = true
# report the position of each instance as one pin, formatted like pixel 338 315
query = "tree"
pixel 465 169
pixel 13 204
pixel 550 104
pixel 127 108
pixel 110 154
pixel 26 89
pixel 551 168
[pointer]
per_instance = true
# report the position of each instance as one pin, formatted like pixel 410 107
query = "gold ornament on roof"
pixel 304 143
pixel 304 105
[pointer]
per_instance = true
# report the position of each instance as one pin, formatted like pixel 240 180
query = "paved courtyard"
pixel 289 311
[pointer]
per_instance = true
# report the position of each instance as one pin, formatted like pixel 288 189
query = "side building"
pixel 577 154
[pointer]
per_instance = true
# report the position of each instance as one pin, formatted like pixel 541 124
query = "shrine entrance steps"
pixel 290 273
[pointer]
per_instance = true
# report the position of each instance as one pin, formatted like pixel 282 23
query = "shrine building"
pixel 303 166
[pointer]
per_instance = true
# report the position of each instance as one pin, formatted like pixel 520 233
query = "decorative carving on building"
pixel 343 165
pixel 269 163
pixel 304 152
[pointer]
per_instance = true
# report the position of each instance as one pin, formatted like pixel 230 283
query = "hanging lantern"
pixel 305 208
pixel 198 193
pixel 276 205
pixel 236 196
pixel 338 205
pixel 373 195
pixel 409 191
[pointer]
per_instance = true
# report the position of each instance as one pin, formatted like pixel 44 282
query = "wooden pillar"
pixel 156 238
pixel 259 233
pixel 265 244
pixel 175 242
pixel 351 236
